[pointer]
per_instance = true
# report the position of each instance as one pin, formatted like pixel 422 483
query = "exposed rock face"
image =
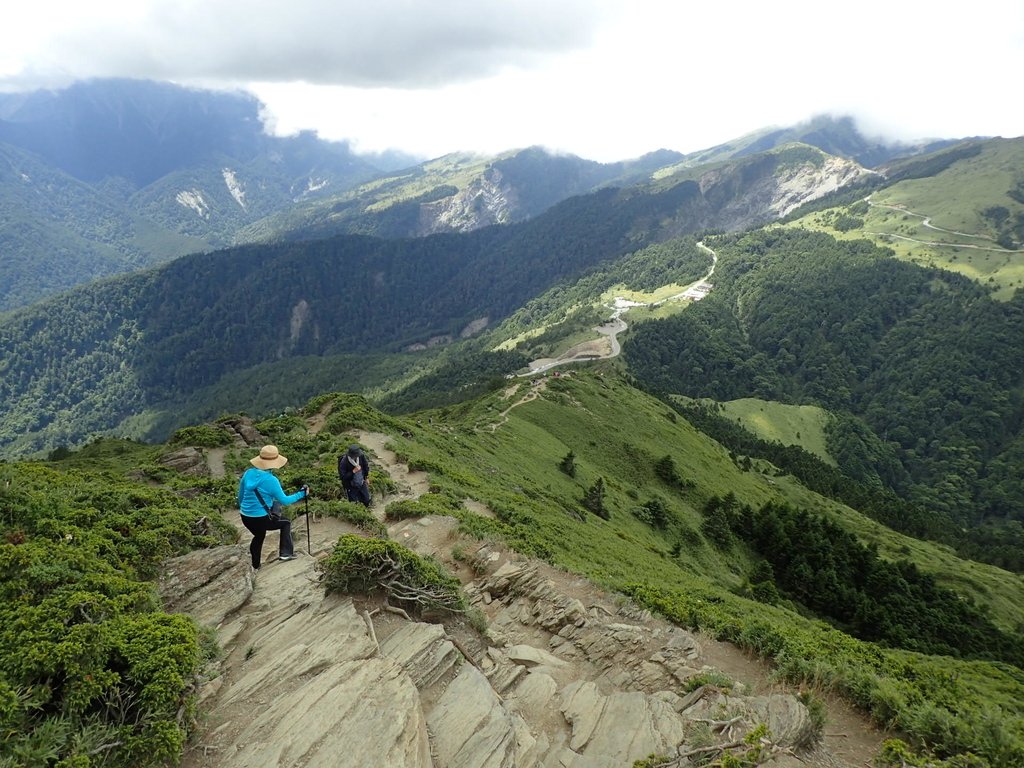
pixel 243 432
pixel 208 584
pixel 485 201
pixel 313 680
pixel 754 195
pixel 188 461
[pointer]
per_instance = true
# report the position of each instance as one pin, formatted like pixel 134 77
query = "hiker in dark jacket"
pixel 354 471
pixel 258 494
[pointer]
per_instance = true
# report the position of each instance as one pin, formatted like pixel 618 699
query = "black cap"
pixel 353 450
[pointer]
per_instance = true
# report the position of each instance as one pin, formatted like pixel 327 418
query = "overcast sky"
pixel 605 79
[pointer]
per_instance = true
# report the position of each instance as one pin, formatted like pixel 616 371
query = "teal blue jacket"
pixel 270 489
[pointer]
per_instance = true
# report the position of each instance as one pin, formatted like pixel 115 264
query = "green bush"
pixel 427 504
pixel 366 566
pixel 350 412
pixel 94 672
pixel 355 513
pixel 202 436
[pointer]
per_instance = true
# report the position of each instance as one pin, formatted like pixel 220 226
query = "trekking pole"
pixel 309 547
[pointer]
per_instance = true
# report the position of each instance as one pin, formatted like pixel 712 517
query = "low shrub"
pixel 367 566
pixel 94 672
pixel 427 504
pixel 202 436
pixel 355 513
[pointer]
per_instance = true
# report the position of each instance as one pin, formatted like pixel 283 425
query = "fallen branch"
pixel 462 649
pixel 719 724
pixel 711 748
pixel 104 748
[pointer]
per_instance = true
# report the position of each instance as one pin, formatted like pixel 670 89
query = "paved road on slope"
pixel 926 222
pixel 616 325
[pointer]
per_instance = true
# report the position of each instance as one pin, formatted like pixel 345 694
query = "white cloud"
pixel 405 43
pixel 606 79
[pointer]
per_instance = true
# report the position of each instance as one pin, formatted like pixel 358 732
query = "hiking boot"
pixel 285 557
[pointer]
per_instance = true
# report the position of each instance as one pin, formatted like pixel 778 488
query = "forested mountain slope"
pixel 925 357
pixel 111 348
pixel 57 232
pixel 110 175
pixel 177 171
pixel 106 352
pixel 457 193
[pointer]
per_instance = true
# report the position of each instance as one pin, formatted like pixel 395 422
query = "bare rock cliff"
pixel 487 200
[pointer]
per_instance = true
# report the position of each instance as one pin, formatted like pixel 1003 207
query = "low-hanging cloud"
pixel 386 43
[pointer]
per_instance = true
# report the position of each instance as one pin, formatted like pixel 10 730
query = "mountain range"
pixel 108 176
pixel 773 390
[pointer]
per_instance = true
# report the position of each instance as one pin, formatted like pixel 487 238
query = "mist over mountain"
pixel 140 131
pixel 172 171
pixel 835 134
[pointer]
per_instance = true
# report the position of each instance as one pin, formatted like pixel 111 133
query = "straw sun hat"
pixel 269 458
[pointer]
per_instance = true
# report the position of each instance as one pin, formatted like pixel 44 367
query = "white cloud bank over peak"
pixel 604 79
pixel 384 43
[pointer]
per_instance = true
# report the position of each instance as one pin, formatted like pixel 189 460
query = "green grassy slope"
pixel 505 449
pixel 981 197
pixel 802 425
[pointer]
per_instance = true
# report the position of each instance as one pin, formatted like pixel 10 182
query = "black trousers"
pixel 359 493
pixel 258 527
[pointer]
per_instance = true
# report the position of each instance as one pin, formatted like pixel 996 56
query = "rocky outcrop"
pixel 615 677
pixel 188 461
pixel 769 186
pixel 208 584
pixel 560 682
pixel 487 200
pixel 243 432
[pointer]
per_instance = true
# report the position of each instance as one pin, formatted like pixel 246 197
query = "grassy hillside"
pixel 802 425
pixel 507 450
pixel 977 204
pixel 802 318
pixel 508 455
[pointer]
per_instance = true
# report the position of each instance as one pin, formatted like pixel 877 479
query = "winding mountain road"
pixel 927 222
pixel 615 325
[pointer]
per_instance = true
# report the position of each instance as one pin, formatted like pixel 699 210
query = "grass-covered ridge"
pixel 515 464
pixel 802 425
pixel 651 536
pixel 977 232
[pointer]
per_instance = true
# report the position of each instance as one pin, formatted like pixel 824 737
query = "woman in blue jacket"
pixel 258 491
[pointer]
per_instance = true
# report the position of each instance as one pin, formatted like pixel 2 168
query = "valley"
pixel 619 305
pixel 711 458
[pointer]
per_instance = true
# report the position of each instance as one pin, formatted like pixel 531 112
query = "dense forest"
pixel 82 363
pixel 924 357
pixel 826 569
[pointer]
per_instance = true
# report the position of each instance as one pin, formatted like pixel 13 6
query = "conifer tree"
pixel 568 464
pixel 593 499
